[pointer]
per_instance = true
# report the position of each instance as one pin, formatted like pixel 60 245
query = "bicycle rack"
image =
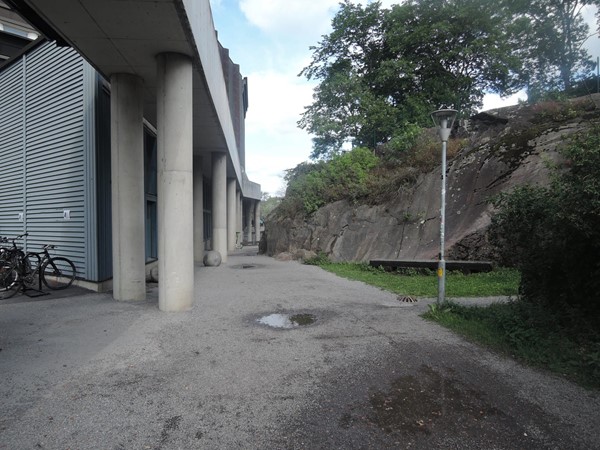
pixel 36 292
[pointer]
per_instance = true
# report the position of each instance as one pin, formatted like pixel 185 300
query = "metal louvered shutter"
pixel 44 146
pixel 11 150
pixel 54 162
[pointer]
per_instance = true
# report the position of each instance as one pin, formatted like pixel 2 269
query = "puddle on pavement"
pixel 287 321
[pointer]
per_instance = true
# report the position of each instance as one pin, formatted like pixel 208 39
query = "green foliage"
pixel 530 332
pixel 312 185
pixel 553 233
pixel 402 141
pixel 437 311
pixel 380 69
pixel 318 260
pixel 268 204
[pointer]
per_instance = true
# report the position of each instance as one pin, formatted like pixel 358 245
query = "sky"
pixel 270 40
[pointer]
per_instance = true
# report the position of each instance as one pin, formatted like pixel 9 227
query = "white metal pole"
pixel 442 262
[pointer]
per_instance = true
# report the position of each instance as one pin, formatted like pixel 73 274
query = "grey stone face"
pixel 500 154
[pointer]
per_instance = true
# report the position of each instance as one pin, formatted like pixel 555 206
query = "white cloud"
pixel 290 17
pixel 276 101
pixel 493 101
pixel 273 140
pixel 300 19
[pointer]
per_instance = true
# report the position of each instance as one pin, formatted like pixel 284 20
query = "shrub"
pixel 553 234
pixel 319 259
pixel 312 185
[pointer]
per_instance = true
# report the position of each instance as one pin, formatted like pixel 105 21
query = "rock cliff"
pixel 506 147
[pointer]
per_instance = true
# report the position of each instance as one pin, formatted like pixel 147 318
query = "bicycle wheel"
pixel 9 281
pixel 27 272
pixel 58 273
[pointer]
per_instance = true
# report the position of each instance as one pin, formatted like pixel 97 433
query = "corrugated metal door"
pixel 44 150
pixel 11 150
pixel 54 168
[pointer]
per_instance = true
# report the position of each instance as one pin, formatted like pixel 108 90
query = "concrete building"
pixel 122 140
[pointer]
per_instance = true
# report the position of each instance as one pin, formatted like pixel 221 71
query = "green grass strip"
pixel 501 282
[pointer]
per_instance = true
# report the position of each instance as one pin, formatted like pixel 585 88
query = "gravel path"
pixel 86 372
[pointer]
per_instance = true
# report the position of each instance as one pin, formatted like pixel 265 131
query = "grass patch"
pixel 424 284
pixel 529 333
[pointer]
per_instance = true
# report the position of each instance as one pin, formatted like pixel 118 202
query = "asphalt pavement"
pixel 355 369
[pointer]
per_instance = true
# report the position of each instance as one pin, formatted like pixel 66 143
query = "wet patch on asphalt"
pixel 287 321
pixel 415 403
pixel 376 403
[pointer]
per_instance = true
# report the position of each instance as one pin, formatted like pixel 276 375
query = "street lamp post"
pixel 443 119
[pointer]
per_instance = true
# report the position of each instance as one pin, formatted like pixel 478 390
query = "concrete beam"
pixel 175 185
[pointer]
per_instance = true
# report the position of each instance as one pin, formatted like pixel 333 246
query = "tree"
pixel 268 204
pixel 551 35
pixel 381 69
pixel 341 62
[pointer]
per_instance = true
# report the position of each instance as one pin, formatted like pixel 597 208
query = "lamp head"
pixel 444 120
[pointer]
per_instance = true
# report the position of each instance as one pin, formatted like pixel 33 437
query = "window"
pixel 150 191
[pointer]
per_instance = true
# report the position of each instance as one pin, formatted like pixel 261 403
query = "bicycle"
pixel 20 271
pixel 9 260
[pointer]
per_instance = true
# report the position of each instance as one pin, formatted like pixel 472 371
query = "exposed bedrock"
pixel 506 147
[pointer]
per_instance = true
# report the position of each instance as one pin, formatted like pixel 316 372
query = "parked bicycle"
pixel 20 271
pixel 9 261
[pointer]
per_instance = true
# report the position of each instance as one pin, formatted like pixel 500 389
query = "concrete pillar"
pixel 257 220
pixel 198 210
pixel 219 204
pixel 231 214
pixel 127 171
pixel 249 213
pixel 175 185
pixel 238 204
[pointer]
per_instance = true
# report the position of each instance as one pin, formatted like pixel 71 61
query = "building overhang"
pixel 125 36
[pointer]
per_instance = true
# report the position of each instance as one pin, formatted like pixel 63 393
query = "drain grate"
pixel 407 299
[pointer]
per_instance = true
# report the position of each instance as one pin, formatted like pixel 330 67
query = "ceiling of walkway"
pixel 124 36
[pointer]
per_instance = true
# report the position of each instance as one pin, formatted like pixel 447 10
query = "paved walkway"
pixel 86 372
